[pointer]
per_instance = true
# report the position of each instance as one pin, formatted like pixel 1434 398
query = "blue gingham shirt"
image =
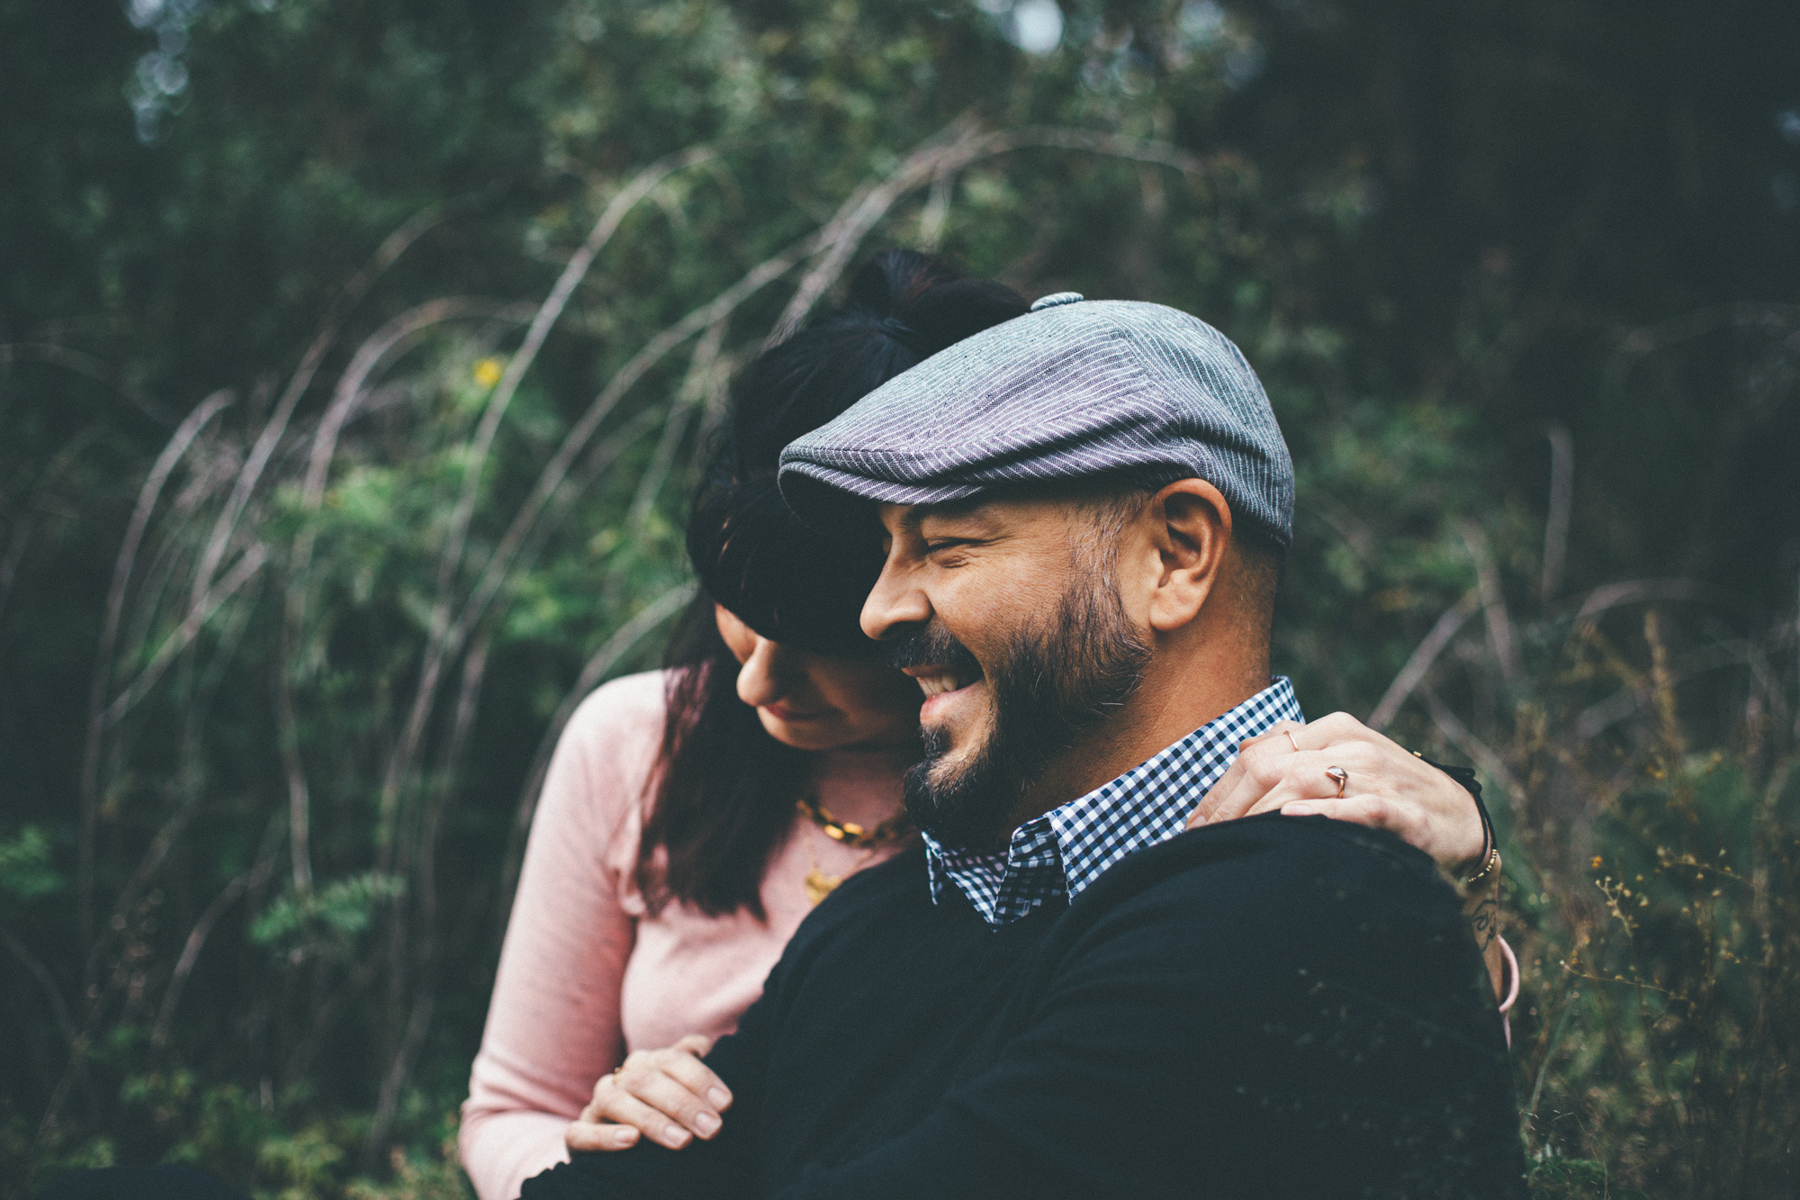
pixel 1066 849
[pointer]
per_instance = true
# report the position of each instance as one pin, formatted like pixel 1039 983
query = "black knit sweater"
pixel 1279 1007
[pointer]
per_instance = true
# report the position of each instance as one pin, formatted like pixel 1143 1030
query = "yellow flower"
pixel 488 372
pixel 1596 862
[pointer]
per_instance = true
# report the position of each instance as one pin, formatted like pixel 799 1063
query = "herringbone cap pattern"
pixel 1074 389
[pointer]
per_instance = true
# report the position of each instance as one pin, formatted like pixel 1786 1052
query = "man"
pixel 1084 511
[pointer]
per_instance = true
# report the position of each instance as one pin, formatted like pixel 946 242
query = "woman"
pixel 692 817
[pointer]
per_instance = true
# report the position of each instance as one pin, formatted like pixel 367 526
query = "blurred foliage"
pixel 355 354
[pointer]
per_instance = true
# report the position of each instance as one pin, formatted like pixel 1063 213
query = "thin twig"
pixel 391 248
pixel 955 148
pixel 38 971
pixel 392 338
pixel 703 375
pixel 93 368
pixel 17 542
pixel 172 453
pixel 1642 591
pixel 1493 603
pixel 841 236
pixel 1556 522
pixel 425 892
pixel 548 313
pixel 252 561
pixel 936 213
pixel 417 1025
pixel 196 940
pixel 1484 755
pixel 1425 654
pixel 444 640
pixel 1596 718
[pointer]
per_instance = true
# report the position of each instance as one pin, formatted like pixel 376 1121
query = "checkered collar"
pixel 1066 849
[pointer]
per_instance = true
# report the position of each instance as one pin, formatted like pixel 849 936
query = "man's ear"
pixel 1190 526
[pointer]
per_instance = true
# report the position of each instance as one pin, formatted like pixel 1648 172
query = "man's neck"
pixel 1168 705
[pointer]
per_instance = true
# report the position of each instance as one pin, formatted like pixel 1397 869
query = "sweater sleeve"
pixel 553 1023
pixel 724 1168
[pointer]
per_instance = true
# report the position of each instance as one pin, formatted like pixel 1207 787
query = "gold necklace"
pixel 820 885
pixel 852 834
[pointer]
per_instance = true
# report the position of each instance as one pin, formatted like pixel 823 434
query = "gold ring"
pixel 1338 776
pixel 1289 735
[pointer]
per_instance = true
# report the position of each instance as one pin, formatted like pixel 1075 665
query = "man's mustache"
pixel 932 646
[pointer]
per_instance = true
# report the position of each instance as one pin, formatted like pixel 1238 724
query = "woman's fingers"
pixel 1388 788
pixel 1391 788
pixel 591 1134
pixel 1372 812
pixel 1256 771
pixel 618 1106
pixel 697 1044
pixel 704 1088
pixel 1304 777
pixel 668 1094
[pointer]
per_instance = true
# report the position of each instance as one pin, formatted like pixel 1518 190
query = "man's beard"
pixel 1054 683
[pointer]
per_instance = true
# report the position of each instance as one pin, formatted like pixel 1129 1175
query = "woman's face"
pixel 812 702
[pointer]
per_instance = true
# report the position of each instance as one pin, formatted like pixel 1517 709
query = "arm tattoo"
pixel 1486 920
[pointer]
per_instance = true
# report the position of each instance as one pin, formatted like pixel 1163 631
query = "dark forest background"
pixel 353 359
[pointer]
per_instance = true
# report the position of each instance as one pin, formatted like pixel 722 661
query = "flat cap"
pixel 1074 389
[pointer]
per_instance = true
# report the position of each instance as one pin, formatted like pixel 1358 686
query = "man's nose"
pixel 893 604
pixel 765 676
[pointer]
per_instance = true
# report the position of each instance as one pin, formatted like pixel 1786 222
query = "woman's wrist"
pixel 1488 873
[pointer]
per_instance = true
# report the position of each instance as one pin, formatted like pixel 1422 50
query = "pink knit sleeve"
pixel 553 1023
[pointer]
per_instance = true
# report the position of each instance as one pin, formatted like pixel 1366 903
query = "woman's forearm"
pixel 502 1149
pixel 1483 910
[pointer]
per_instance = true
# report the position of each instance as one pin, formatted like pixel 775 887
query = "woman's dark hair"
pixel 726 790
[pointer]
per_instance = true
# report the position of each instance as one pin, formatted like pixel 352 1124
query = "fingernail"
pixel 624 1135
pixel 718 1098
pixel 707 1124
pixel 1299 810
pixel 675 1136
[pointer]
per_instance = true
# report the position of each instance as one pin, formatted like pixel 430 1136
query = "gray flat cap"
pixel 1072 390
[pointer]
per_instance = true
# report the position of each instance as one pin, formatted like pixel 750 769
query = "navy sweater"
pixel 1279 1007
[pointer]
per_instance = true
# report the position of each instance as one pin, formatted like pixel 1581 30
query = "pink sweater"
pixel 586 976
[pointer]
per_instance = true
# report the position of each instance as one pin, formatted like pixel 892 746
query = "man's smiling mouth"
pixel 938 684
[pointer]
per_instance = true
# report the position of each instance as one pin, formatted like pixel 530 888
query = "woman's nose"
pixel 764 677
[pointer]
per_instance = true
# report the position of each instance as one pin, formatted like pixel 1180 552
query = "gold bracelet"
pixel 1493 861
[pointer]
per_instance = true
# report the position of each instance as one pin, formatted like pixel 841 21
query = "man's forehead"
pixel 897 517
pixel 988 513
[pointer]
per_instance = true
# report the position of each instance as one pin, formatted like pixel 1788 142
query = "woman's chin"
pixel 812 732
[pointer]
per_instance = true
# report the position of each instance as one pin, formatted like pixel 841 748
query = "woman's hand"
pixel 1384 787
pixel 668 1095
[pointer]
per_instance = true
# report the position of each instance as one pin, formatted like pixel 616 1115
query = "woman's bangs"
pixel 786 582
